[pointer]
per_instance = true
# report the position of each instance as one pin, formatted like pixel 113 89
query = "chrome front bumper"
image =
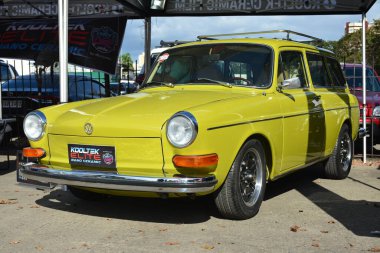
pixel 114 181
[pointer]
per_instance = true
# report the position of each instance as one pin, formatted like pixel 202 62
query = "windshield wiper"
pixel 215 81
pixel 160 83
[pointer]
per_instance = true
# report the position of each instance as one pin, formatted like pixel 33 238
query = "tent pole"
pixel 63 23
pixel 364 68
pixel 148 35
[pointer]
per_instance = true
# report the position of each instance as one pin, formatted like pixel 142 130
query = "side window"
pixel 76 90
pixel 93 89
pixel 89 90
pixel 318 71
pixel 3 73
pixel 336 72
pixel 291 70
pixel 98 90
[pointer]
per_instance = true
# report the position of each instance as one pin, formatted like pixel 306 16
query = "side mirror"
pixel 294 82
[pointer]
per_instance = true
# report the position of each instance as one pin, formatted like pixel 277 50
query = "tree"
pixel 126 59
pixel 349 47
pixel 373 45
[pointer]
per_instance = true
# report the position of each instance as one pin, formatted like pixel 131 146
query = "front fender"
pixel 225 141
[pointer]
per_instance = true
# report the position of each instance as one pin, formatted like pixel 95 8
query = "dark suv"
pixel 29 92
pixel 354 76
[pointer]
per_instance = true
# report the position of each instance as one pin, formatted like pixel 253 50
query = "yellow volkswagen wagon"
pixel 217 117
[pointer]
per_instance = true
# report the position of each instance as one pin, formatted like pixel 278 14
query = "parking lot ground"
pixel 301 213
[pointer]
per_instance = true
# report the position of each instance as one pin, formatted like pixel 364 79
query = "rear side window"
pixel 318 70
pixel 336 72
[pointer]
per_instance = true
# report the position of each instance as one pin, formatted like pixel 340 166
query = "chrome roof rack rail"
pixel 287 32
pixel 172 43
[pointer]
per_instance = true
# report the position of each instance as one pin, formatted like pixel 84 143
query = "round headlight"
pixel 34 125
pixel 182 129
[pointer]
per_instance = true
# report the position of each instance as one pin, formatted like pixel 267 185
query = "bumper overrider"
pixel 114 181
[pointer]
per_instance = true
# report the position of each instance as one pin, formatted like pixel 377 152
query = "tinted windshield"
pixel 354 77
pixel 236 64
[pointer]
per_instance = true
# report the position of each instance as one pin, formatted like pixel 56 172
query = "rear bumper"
pixel 114 181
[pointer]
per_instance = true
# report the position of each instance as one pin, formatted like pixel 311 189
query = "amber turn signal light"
pixel 196 161
pixel 33 152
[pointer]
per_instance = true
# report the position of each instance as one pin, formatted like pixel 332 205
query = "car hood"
pixel 140 114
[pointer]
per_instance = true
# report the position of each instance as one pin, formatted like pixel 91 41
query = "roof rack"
pixel 172 43
pixel 287 32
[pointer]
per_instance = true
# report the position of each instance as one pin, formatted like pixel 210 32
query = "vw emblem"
pixel 88 128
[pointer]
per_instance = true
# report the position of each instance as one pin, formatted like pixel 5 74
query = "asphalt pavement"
pixel 301 213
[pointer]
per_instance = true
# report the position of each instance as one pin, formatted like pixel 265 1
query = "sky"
pixel 188 28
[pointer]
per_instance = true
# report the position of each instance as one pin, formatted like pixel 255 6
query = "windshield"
pixel 216 64
pixel 354 76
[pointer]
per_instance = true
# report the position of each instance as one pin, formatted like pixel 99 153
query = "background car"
pixel 30 92
pixel 354 76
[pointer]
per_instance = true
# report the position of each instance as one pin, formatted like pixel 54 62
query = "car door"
pixel 303 117
pixel 330 86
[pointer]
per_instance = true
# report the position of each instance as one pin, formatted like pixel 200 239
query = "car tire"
pixel 86 195
pixel 338 165
pixel 241 194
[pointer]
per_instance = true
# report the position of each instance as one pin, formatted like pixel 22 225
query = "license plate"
pixel 12 103
pixel 90 155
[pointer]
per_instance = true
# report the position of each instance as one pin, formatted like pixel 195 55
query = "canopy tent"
pixel 145 9
pixel 137 9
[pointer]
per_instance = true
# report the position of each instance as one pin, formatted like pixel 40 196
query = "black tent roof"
pixel 137 9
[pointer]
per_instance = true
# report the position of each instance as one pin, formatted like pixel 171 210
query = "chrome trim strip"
pixel 279 117
pixel 244 123
pixel 338 108
pixel 114 181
